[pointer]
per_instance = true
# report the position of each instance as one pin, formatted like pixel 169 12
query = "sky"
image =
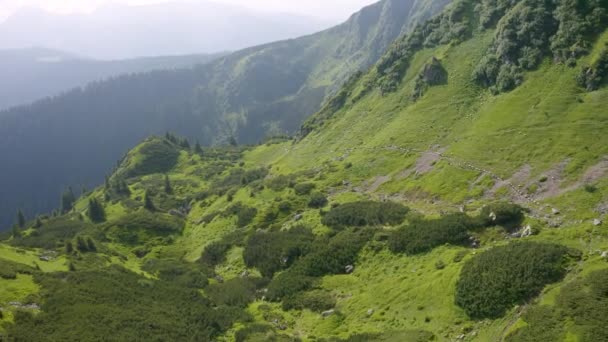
pixel 325 9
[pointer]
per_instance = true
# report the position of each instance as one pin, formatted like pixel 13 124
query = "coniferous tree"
pixel 148 204
pixel 81 245
pixel 67 200
pixel 96 211
pixel 20 219
pixel 197 148
pixel 168 187
pixel 185 144
pixel 16 232
pixel 69 247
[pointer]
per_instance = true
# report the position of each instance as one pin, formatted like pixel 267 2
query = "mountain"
pixel 126 32
pixel 456 190
pixel 248 95
pixel 36 73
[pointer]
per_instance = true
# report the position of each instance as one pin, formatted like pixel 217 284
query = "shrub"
pixel 155 156
pixel 303 189
pixel 178 272
pixel 493 282
pixel 289 283
pixel 53 233
pixel 244 214
pixel 365 213
pixel 76 303
pixel 215 253
pixel 237 292
pixel 503 214
pixel 317 200
pixel 317 301
pixel 273 251
pixel 143 225
pixel 422 236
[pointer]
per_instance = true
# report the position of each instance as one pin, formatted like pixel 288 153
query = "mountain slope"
pixel 33 74
pixel 436 209
pixel 125 32
pixel 260 91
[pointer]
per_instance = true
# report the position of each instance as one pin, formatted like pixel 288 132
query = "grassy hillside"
pixel 254 93
pixel 459 212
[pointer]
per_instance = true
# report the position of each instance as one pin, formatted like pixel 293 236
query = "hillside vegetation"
pixel 248 95
pixel 467 212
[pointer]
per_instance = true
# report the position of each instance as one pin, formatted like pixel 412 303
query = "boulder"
pixel 527 231
pixel 328 313
pixel 555 211
pixel 349 269
pixel 298 217
pixel 370 312
pixel 597 222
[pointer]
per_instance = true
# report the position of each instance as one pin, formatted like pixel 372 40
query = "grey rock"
pixel 349 269
pixel 328 313
pixel 370 312
pixel 597 222
pixel 555 211
pixel 298 217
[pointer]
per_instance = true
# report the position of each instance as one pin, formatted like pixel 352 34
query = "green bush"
pixel 244 214
pixel 140 226
pixel 178 272
pixel 422 236
pixel 495 281
pixel 215 253
pixel 581 307
pixel 53 233
pixel 273 251
pixel 317 301
pixel 10 269
pixel 365 213
pixel 303 189
pixel 503 214
pixel 317 200
pixel 289 283
pixel 238 292
pixel 131 307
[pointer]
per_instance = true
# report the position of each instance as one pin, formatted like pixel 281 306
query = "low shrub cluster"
pixel 504 214
pixel 273 251
pixel 328 255
pixel 317 301
pixel 365 213
pixel 179 272
pixel 594 76
pixel 421 236
pixel 495 281
pixel 303 189
pixel 53 233
pixel 140 226
pixel 237 292
pixel 244 214
pixel 131 307
pixel 10 269
pixel 156 155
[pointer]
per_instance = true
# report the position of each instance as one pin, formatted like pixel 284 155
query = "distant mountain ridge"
pixel 35 73
pixel 250 94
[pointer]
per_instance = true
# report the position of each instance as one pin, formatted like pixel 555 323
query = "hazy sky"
pixel 327 9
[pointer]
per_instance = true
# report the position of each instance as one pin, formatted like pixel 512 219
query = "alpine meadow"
pixel 429 170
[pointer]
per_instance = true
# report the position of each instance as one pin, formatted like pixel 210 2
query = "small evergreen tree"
pixel 67 200
pixel 185 144
pixel 168 187
pixel 148 204
pixel 20 219
pixel 16 232
pixel 96 211
pixel 81 245
pixel 69 247
pixel 198 149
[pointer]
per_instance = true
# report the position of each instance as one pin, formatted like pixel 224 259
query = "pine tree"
pixel 69 248
pixel 16 232
pixel 81 245
pixel 67 200
pixel 185 144
pixel 168 187
pixel 198 149
pixel 20 219
pixel 96 211
pixel 148 204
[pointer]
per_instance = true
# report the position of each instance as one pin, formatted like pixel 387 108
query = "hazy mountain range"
pixel 35 73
